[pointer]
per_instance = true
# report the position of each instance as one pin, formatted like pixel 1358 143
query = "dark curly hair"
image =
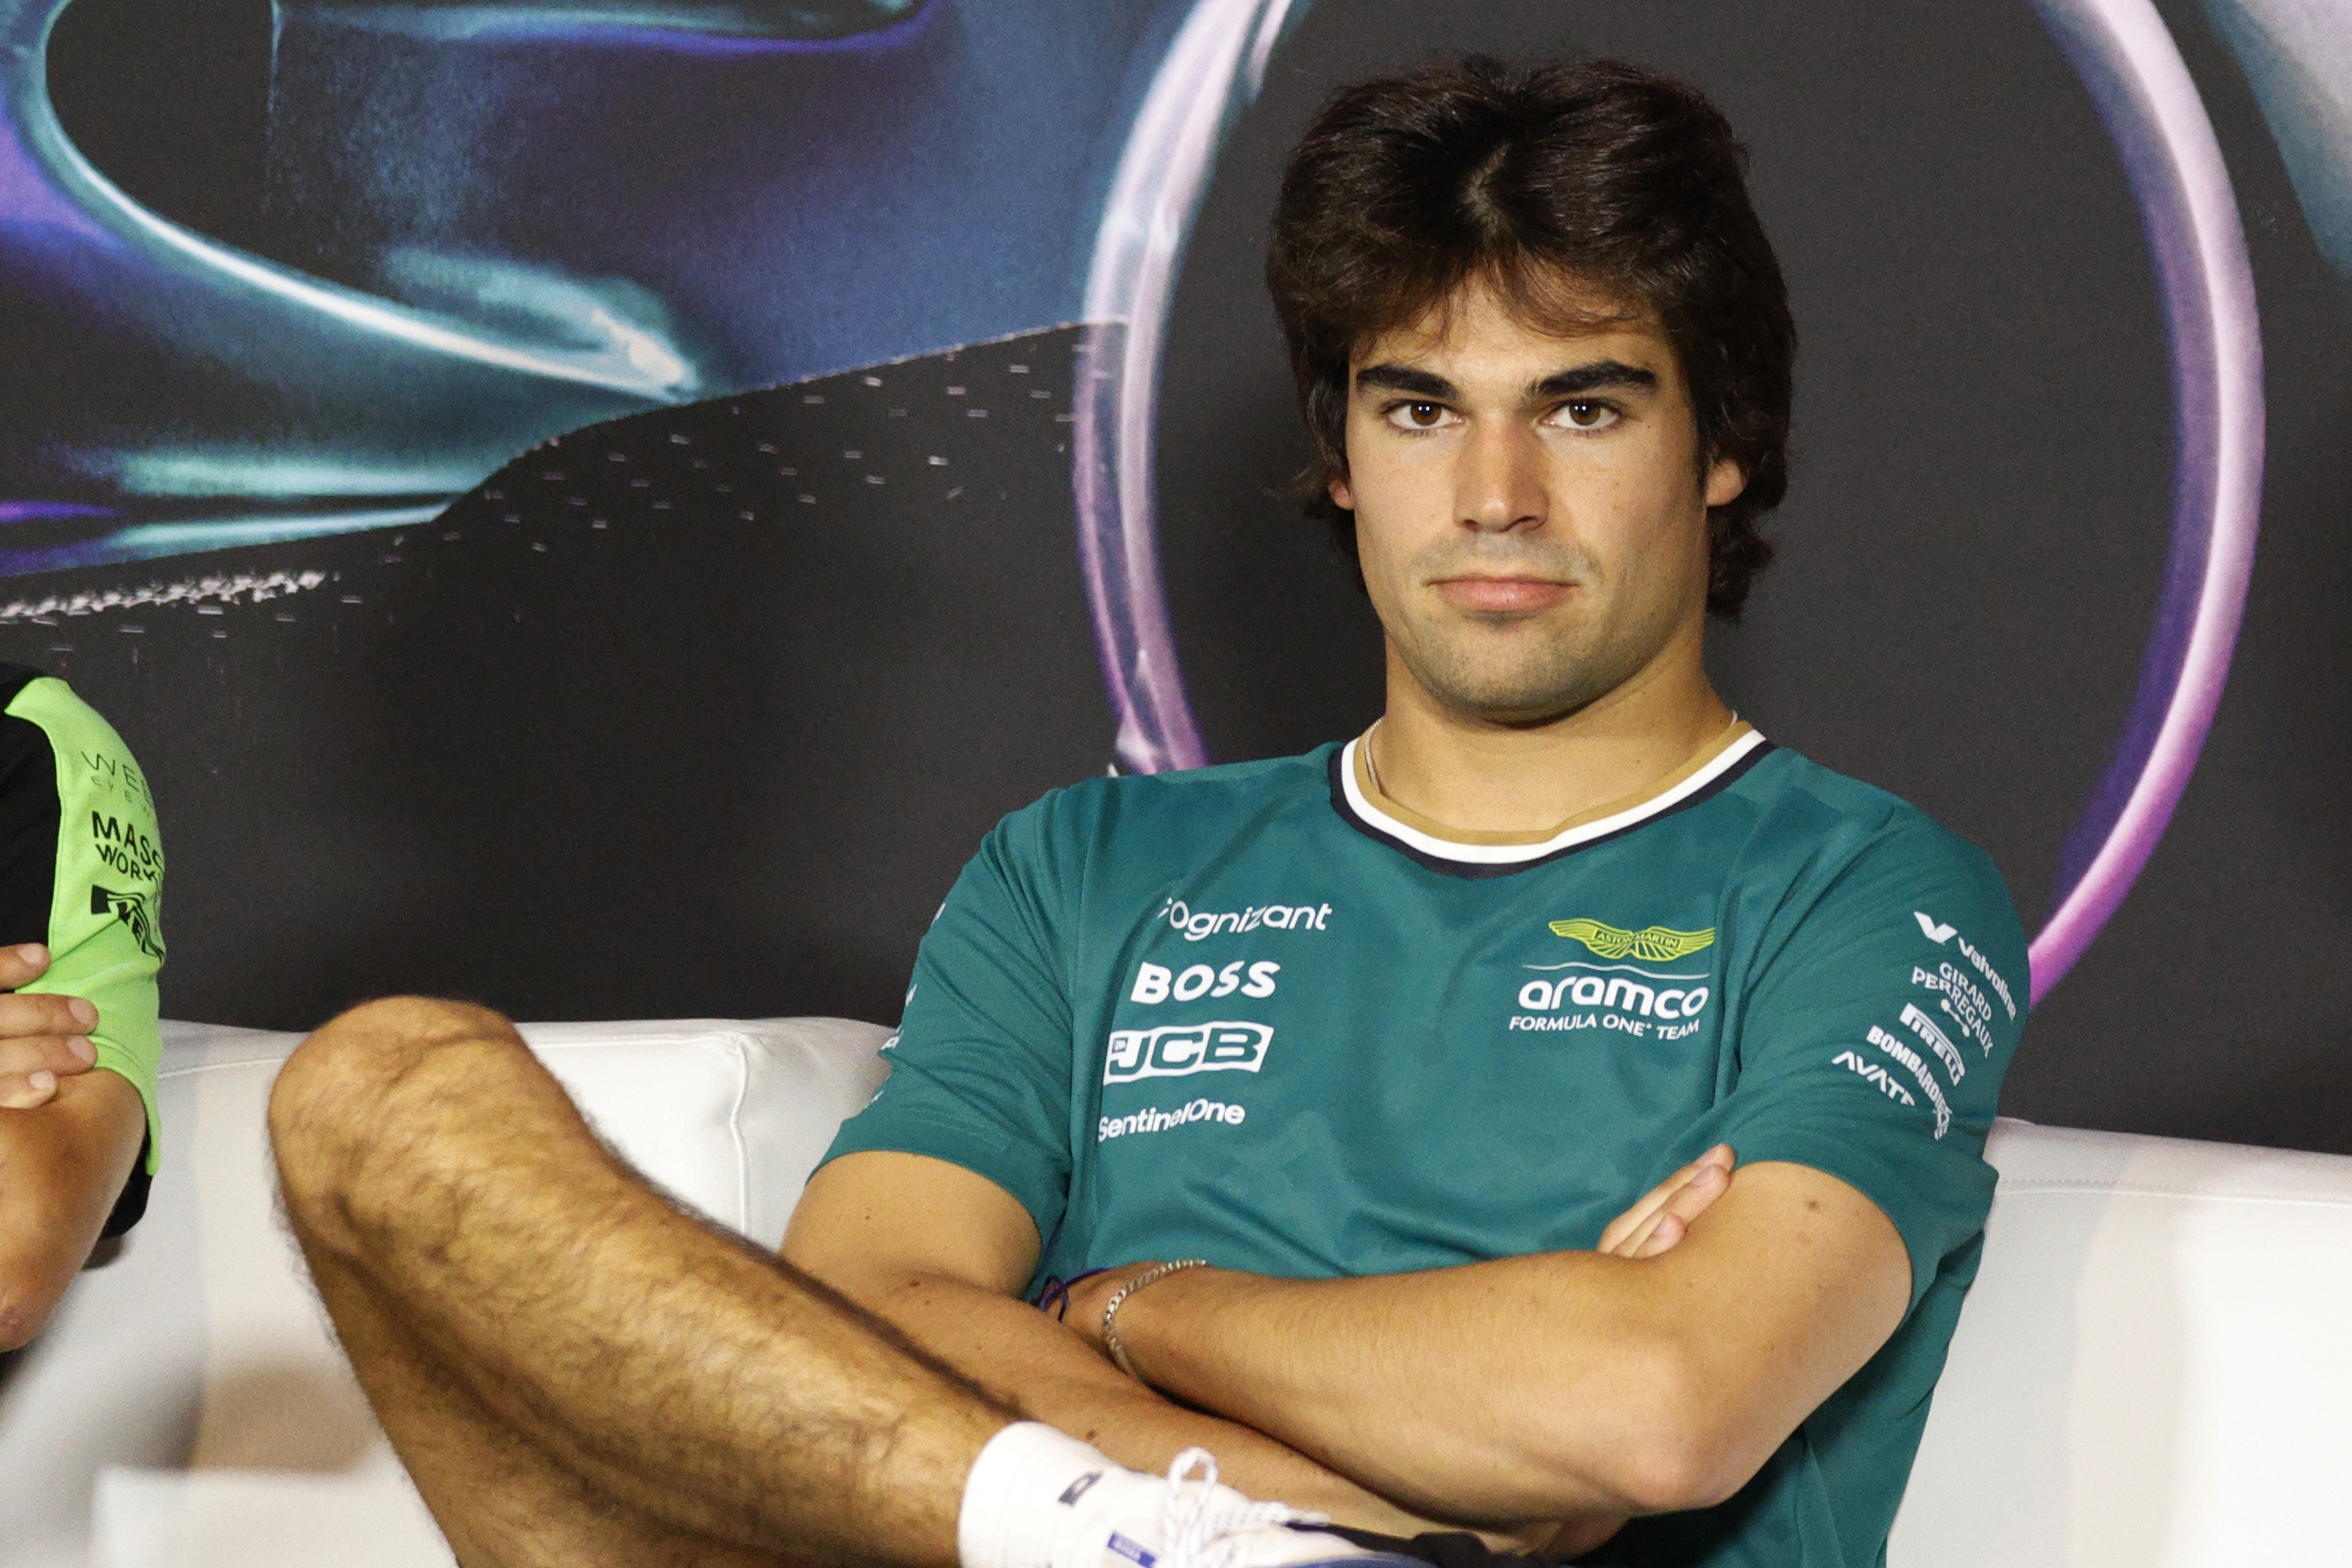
pixel 1545 183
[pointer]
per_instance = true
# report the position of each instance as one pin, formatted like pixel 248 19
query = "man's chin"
pixel 1521 704
pixel 1522 672
pixel 1528 716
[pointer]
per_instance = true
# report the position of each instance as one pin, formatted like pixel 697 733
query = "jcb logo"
pixel 1181 1049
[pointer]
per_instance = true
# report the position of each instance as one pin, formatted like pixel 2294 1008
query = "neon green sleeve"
pixel 105 939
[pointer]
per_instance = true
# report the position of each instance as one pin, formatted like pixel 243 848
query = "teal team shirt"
pixel 1246 1013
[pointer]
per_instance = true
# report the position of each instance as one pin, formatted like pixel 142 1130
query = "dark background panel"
pixel 1975 534
pixel 2216 1003
pixel 592 747
pixel 694 713
pixel 1971 547
pixel 171 103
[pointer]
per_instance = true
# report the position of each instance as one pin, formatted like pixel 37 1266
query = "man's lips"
pixel 1498 594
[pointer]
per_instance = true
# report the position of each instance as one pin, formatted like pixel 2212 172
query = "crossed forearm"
pixel 1056 1376
pixel 1468 1391
pixel 1566 1385
pixel 942 1253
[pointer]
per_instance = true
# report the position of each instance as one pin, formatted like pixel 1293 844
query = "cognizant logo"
pixel 1195 925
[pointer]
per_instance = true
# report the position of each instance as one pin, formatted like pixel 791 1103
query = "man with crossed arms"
pixel 1335 1067
pixel 1301 1091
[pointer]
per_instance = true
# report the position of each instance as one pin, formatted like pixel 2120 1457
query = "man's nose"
pixel 1499 482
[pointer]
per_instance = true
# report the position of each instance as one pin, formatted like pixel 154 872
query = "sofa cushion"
pixel 187 1405
pixel 2152 1370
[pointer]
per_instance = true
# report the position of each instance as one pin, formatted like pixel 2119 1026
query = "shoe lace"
pixel 1200 1532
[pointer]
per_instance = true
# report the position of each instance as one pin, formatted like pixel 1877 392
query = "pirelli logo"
pixel 1179 1050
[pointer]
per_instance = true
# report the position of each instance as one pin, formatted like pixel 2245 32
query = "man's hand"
pixel 42 1038
pixel 67 1137
pixel 1663 1215
pixel 1659 1219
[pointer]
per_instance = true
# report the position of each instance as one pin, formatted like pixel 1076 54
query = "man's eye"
pixel 1418 416
pixel 1588 416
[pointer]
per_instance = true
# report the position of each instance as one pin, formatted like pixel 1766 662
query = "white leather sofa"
pixel 2152 1371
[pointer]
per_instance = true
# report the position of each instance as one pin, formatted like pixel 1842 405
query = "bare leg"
pixel 499 1500
pixel 574 1370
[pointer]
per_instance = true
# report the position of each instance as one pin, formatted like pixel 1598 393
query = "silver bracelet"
pixel 1151 1276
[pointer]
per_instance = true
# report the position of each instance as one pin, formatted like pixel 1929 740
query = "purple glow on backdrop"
pixel 47 511
pixel 515 25
pixel 1212 73
pixel 2134 72
pixel 27 198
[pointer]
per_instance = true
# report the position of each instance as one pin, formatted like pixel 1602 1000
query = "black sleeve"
pixel 30 819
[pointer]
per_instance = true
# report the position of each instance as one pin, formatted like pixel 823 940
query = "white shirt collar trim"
pixel 1511 853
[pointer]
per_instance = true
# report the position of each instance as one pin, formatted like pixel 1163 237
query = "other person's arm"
pixel 81 875
pixel 63 1163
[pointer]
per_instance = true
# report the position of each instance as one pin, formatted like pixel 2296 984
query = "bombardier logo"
pixel 1179 1050
pixel 1658 944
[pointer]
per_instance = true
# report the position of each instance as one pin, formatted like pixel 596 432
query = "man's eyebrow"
pixel 1405 379
pixel 1594 377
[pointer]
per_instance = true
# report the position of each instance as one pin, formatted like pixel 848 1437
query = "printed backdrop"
pixel 597 506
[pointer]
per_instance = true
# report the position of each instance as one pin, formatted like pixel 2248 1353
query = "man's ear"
pixel 1725 480
pixel 1341 496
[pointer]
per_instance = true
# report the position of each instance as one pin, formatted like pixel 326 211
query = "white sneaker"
pixel 1194 1523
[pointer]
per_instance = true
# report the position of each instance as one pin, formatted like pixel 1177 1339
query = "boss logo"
pixel 1181 1049
pixel 1155 983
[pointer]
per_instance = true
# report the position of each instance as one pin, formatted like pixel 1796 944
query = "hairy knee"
pixel 352 1084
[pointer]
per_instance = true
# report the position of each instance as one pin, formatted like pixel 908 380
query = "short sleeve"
pixel 981 1066
pixel 1876 1032
pixel 81 871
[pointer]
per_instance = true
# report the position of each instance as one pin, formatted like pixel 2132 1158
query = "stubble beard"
pixel 1515 669
pixel 1483 667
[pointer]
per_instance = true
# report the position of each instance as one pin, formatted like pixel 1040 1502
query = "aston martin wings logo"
pixel 1658 944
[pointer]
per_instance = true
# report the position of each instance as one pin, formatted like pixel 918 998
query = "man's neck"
pixel 1479 776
